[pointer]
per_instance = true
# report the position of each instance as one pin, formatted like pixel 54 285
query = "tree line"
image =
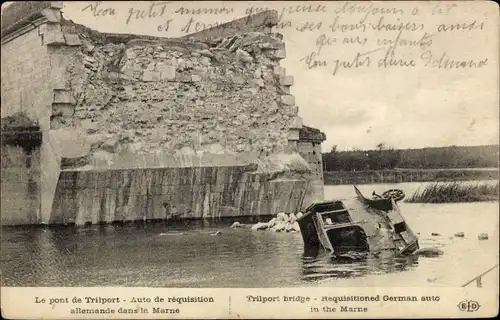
pixel 384 157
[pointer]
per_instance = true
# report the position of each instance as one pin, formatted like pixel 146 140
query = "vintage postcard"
pixel 249 159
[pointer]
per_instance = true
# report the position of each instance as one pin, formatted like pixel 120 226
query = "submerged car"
pixel 358 226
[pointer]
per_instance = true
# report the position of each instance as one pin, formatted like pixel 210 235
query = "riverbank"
pixel 455 192
pixel 408 175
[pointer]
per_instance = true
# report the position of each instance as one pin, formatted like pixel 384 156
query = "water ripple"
pixel 160 255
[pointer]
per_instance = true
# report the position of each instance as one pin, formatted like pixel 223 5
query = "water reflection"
pixel 159 254
pixel 317 265
pixel 173 255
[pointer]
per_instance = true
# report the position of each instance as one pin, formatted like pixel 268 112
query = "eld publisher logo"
pixel 469 306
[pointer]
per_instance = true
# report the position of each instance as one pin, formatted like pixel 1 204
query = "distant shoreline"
pixel 409 175
pixel 386 158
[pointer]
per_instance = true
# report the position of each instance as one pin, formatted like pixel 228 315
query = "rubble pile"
pixel 170 94
pixel 281 223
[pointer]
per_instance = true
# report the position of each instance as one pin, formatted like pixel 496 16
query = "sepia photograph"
pixel 249 144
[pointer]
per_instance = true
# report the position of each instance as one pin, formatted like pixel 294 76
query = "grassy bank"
pixel 455 192
pixel 408 175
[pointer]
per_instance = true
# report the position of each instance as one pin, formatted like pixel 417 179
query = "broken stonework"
pixel 293 134
pixel 206 53
pixel 63 109
pixel 287 81
pixel 49 27
pixel 64 96
pixel 259 82
pixel 279 71
pixel 291 110
pixel 285 90
pixel 148 76
pixel 169 83
pixel 72 39
pixel 53 38
pixel 243 56
pixel 288 100
pixel 167 72
pixel 210 112
pixel 52 14
pixel 296 123
pixel 277 54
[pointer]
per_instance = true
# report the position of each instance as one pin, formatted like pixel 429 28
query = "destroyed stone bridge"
pixel 99 128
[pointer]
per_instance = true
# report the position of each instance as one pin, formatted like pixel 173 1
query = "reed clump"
pixel 455 192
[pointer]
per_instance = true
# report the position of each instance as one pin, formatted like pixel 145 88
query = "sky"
pixel 360 107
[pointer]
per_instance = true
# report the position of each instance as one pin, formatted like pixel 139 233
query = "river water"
pixel 188 255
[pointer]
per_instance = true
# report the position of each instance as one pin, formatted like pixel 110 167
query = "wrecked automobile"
pixel 358 227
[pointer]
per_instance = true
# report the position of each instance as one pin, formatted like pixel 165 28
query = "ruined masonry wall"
pixel 35 82
pixel 311 152
pixel 144 96
pixel 167 193
pixel 215 118
pixel 20 186
pixel 25 69
pixel 26 77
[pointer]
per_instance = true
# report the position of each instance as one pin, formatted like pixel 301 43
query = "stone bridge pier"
pixel 100 127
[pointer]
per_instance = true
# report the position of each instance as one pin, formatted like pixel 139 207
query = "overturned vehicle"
pixel 357 227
